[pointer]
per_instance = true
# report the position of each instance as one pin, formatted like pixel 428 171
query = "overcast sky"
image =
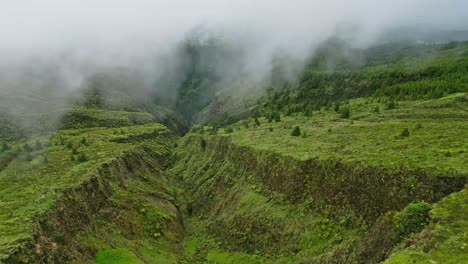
pixel 38 26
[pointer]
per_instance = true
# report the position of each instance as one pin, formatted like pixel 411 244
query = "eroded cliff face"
pixel 126 202
pixel 205 198
pixel 310 210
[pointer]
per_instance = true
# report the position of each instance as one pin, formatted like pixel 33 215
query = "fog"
pixel 63 42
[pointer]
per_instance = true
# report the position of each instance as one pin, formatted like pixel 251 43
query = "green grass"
pixel 444 240
pixel 117 256
pixel 30 188
pixel 437 141
pixel 82 117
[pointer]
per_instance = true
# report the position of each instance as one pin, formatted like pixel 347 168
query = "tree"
pixel 38 145
pixel 27 148
pixel 296 132
pixel 336 108
pixel 277 117
pixel 5 146
pixel 29 157
pixel 391 105
pixel 82 157
pixel 405 133
pixel 257 122
pixel 203 143
pixel 344 112
pixel 377 109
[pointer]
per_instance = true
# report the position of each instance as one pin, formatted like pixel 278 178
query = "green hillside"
pixel 360 159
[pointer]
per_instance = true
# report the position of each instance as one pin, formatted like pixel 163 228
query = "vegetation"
pixel 361 160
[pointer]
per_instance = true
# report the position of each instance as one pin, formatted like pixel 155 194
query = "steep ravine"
pixel 205 199
pixel 312 211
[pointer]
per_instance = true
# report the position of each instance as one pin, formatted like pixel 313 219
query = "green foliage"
pixel 154 221
pixel 413 218
pixel 344 112
pixel 28 157
pixel 417 77
pixel 277 117
pixel 203 143
pixel 444 239
pixel 27 148
pixel 336 108
pixel 257 123
pixel 391 105
pixel 296 132
pixel 69 145
pixel 38 145
pixel 82 157
pixel 74 151
pixel 228 130
pixel 377 109
pixel 405 133
pixel 116 256
pixel 81 117
pixel 5 146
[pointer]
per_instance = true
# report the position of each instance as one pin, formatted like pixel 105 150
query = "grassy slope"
pixel 444 240
pixel 436 143
pixel 31 187
pixel 235 220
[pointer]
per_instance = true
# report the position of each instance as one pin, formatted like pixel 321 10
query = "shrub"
pixel 29 157
pixel 413 218
pixel 336 108
pixel 296 132
pixel 270 129
pixel 277 117
pixel 405 133
pixel 344 112
pixel 228 130
pixel 377 109
pixel 203 143
pixel 257 123
pixel 84 142
pixel 82 157
pixel 74 151
pixel 304 135
pixel 418 126
pixel 27 148
pixel 391 105
pixel 214 131
pixel 5 146
pixel 38 145
pixel 69 145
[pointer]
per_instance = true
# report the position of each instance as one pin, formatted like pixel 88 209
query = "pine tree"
pixel 405 133
pixel 277 117
pixel 344 113
pixel 82 157
pixel 38 145
pixel 5 146
pixel 257 122
pixel 296 132
pixel 377 109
